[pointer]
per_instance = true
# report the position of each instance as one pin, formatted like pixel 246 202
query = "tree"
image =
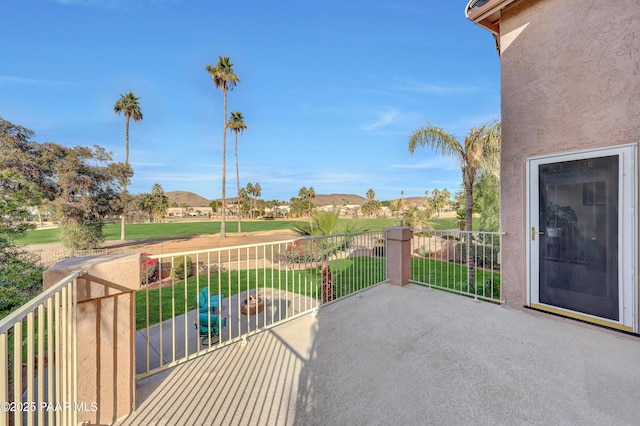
pixel 487 190
pixel 237 125
pixel 21 185
pixel 256 191
pixel 215 205
pixel 307 194
pixel 439 200
pixel 129 106
pixel 157 202
pixel 480 152
pixel 297 207
pixel 88 188
pixel 371 207
pixel 371 195
pixel 80 184
pixel 224 79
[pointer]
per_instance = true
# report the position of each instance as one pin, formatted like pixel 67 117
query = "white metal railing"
pixel 246 290
pixel 48 258
pixel 38 358
pixel 462 262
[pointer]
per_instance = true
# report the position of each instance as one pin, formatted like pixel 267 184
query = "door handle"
pixel 533 233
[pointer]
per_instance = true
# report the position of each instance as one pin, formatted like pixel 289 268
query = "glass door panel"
pixel 578 239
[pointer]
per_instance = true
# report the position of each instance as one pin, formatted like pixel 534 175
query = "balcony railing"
pixel 197 301
pixel 38 358
pixel 462 262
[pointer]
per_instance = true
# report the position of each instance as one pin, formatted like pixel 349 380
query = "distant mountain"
pixel 195 200
pixel 188 198
pixel 338 200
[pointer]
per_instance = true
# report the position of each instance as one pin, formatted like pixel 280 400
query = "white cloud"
pixel 13 80
pixel 439 163
pixel 383 119
pixel 412 85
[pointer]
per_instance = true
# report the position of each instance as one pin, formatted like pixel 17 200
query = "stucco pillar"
pixel 106 333
pixel 399 255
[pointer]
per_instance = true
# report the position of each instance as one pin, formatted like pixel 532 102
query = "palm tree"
pixel 237 125
pixel 128 105
pixel 480 152
pixel 224 79
pixel 371 194
pixel 309 194
pixel 257 191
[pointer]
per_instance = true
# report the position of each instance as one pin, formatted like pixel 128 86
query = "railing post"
pixel 399 254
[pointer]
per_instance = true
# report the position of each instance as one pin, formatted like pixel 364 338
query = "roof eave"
pixel 488 16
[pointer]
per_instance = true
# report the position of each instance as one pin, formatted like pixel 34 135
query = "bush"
pixel 81 236
pixel 485 256
pixel 179 268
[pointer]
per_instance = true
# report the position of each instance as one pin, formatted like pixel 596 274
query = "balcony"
pixel 351 331
pixel 406 355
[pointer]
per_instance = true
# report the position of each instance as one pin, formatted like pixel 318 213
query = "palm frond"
pixel 437 139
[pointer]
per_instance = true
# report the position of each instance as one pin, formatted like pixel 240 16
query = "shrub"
pixel 81 236
pixel 485 256
pixel 179 268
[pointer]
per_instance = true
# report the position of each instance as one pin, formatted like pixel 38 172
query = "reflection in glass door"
pixel 578 256
pixel 583 244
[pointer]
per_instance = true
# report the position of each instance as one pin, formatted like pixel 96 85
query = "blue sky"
pixel 330 90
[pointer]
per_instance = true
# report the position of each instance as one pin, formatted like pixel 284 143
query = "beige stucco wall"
pixel 570 74
pixel 106 332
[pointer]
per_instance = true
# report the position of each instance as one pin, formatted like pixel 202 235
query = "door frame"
pixel 627 237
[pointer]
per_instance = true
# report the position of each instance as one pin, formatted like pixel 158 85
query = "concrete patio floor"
pixel 406 356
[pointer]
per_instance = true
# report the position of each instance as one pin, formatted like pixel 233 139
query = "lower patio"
pixel 405 355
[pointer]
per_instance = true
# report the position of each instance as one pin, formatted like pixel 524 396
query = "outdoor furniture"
pixel 209 323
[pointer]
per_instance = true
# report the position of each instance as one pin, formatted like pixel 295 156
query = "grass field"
pixel 138 231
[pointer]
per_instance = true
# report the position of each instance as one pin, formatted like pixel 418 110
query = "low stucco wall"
pixel 106 332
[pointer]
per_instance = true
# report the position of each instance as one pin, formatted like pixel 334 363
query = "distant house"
pixel 570 73
pixel 189 212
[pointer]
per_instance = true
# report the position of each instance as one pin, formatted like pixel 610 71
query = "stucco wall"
pixel 570 80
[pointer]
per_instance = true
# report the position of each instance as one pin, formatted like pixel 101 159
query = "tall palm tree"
pixel 480 152
pixel 371 194
pixel 237 125
pixel 129 106
pixel 224 79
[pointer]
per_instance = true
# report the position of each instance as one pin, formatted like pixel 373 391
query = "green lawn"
pixel 453 276
pixel 349 275
pixel 136 231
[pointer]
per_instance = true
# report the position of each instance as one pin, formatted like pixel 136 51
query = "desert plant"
pixel 182 270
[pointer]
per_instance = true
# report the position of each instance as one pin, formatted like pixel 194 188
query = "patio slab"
pixel 279 304
pixel 411 355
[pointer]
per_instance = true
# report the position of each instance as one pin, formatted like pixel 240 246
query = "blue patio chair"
pixel 209 323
